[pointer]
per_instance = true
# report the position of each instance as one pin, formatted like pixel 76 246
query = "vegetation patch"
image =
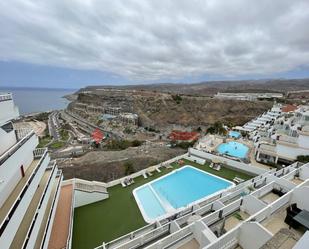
pixel 217 128
pixel 303 158
pixel 56 145
pixel 44 141
pixel 122 144
pixel 177 98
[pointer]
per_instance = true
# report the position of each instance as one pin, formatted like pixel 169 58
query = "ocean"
pixel 31 100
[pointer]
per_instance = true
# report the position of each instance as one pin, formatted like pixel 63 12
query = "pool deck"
pixel 165 204
pixel 93 222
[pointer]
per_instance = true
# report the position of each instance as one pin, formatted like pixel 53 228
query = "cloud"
pixel 153 40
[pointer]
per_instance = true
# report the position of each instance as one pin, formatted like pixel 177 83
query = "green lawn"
pixel 119 215
pixel 57 145
pixel 43 141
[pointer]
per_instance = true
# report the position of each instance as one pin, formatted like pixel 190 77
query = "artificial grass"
pixel 107 220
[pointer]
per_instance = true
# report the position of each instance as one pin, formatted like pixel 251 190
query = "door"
pixel 22 170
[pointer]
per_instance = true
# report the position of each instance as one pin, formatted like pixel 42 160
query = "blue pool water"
pixel 176 190
pixel 234 134
pixel 234 149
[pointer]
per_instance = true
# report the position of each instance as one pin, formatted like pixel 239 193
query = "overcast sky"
pixel 70 43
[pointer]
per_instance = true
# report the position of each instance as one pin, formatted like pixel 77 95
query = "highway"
pixel 53 125
pixel 87 126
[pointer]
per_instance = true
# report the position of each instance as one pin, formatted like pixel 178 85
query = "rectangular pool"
pixel 178 189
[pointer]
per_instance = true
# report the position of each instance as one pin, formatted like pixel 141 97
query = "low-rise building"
pixel 248 96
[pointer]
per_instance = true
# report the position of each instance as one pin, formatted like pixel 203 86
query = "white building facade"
pixel 286 138
pixel 29 184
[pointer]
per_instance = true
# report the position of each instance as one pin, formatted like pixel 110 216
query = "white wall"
pixel 41 212
pixel 304 173
pixel 8 111
pixel 303 141
pixel 251 205
pixel 52 218
pixel 9 138
pixel 300 196
pixel 230 163
pixel 8 234
pixel 10 173
pixel 195 159
pixel 253 236
pixel 290 152
pixel 83 198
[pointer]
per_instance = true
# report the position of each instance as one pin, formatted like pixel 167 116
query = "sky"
pixel 73 43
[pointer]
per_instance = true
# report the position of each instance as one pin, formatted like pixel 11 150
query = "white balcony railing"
pixel 19 198
pixel 21 133
pixel 15 148
pixel 6 96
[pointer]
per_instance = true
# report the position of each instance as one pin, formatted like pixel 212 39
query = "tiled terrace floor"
pixel 233 221
pixel 192 244
pixel 60 230
pixel 269 198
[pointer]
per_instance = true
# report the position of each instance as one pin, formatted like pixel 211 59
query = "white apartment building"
pixel 29 184
pixel 248 96
pixel 251 215
pixel 285 138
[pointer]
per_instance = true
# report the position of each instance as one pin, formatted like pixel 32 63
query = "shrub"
pixel 303 158
pixel 129 169
pixel 177 98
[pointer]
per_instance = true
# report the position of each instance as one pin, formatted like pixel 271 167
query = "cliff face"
pixel 162 109
pixel 195 111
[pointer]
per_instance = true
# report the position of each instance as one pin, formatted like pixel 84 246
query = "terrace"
pixel 93 223
pixel 182 228
pixel 24 228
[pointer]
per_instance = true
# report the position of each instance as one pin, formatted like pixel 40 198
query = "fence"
pixel 4 97
pixel 140 173
pixel 226 241
pixel 249 169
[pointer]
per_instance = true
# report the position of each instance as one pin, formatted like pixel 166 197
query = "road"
pixel 87 126
pixel 53 125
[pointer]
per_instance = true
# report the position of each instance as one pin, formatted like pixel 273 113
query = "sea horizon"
pixel 42 99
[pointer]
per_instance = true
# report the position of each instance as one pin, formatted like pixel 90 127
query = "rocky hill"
pixel 162 110
pixel 210 88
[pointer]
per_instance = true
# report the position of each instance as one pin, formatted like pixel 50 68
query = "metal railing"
pixel 181 216
pixel 21 195
pixel 38 209
pixel 51 211
pixel 11 151
pixel 22 132
pixel 89 186
pixel 5 97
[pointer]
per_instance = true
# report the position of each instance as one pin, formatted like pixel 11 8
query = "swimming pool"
pixel 234 134
pixel 234 149
pixel 178 189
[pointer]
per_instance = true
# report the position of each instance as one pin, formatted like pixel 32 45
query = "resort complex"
pixel 242 187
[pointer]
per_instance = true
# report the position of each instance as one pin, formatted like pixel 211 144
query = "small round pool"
pixel 234 149
pixel 234 134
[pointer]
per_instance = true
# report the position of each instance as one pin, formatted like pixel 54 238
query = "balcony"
pixel 10 111
pixel 50 209
pixel 16 147
pixel 26 224
pixel 6 97
pixel 18 194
